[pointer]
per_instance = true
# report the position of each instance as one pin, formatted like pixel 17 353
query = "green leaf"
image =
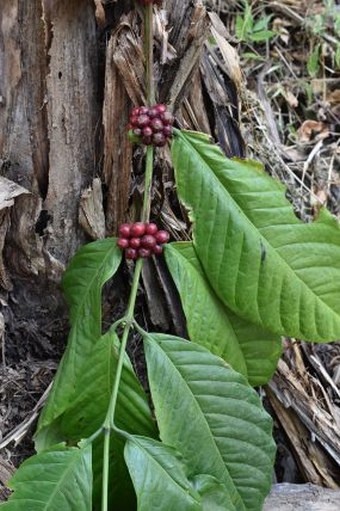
pixel 159 477
pixel 92 266
pixel 213 493
pixel 262 23
pixel 54 480
pixel 249 349
pixel 337 56
pixel 121 492
pixel 261 260
pixel 262 35
pixel 93 393
pixel 244 24
pixel 85 417
pixel 208 412
pixel 313 62
pixel 252 56
pixel 239 27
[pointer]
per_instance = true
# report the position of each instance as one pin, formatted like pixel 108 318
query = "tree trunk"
pixel 49 126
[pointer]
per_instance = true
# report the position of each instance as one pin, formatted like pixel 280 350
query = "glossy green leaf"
pixel 159 477
pixel 261 260
pixel 92 266
pixel 121 492
pixel 93 392
pixel 209 413
pixel 213 494
pixel 248 348
pixel 54 480
pixel 87 414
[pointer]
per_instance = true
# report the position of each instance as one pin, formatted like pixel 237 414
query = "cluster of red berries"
pixel 141 240
pixel 151 125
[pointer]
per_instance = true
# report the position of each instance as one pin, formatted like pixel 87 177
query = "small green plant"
pixel 320 25
pixel 251 273
pixel 251 30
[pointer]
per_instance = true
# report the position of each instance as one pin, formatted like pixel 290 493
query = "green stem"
pixel 148 184
pixel 109 422
pixel 106 470
pixel 129 321
pixel 150 83
pixel 109 419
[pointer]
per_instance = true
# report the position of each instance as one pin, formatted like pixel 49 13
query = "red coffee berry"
pixel 158 249
pixel 156 125
pixel 144 110
pixel 135 111
pixel 151 229
pixel 153 112
pixel 144 253
pixel 134 243
pixel 134 121
pixel 167 131
pixel 137 230
pixel 161 108
pixel 151 125
pixel 131 253
pixel 167 118
pixel 123 243
pixel 159 139
pixel 162 237
pixel 124 230
pixel 148 241
pixel 147 131
pixel 147 140
pixel 143 120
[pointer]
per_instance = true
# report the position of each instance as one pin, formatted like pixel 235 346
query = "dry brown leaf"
pixel 312 130
pixel 229 55
pixel 322 196
pixel 291 99
pixel 333 97
pixel 279 26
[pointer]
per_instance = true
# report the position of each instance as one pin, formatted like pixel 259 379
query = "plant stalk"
pixel 148 184
pixel 109 422
pixel 149 39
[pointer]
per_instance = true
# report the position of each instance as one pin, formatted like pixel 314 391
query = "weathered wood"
pixel 123 86
pixel 73 116
pixel 23 138
pixel 311 426
pixel 302 497
pixel 50 118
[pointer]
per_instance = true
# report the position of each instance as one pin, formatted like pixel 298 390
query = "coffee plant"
pixel 252 273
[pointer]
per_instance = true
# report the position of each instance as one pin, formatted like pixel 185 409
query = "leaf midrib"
pixel 252 226
pixel 201 274
pixel 157 463
pixel 87 288
pixel 155 343
pixel 60 481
